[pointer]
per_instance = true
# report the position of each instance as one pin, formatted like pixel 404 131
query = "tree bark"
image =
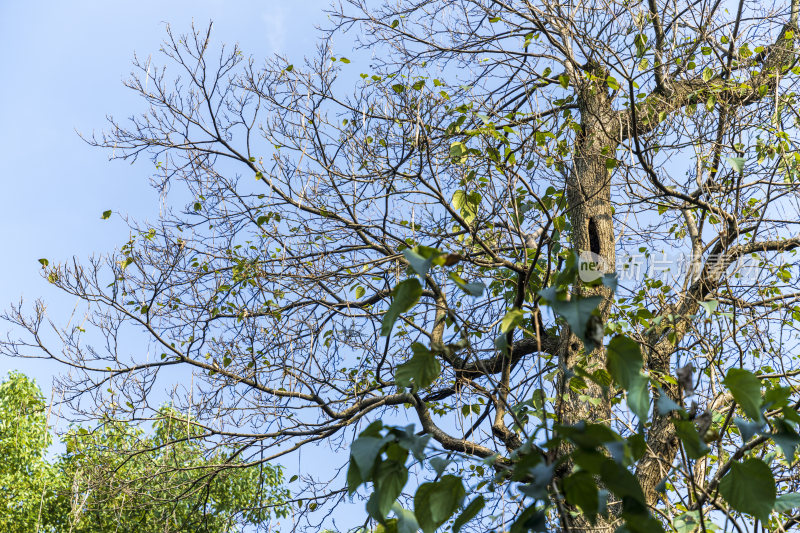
pixel 589 202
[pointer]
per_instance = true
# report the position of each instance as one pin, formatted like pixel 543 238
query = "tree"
pixel 98 485
pixel 438 245
pixel 23 442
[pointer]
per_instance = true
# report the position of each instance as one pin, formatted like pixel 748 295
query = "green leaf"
pixel 406 521
pixel 665 405
pixel 364 452
pixel 746 428
pixel 638 397
pixel 420 264
pixel 542 475
pixel 44 262
pixel 106 214
pixel 640 41
pixel 412 442
pixel 611 281
pixel 389 480
pixel 576 312
pixel 580 489
pixel 344 60
pixel 434 254
pixel 360 291
pixel 473 289
pixel 354 479
pixel 398 88
pixel 694 445
pixel 746 390
pixel 563 80
pixel 470 512
pixel 786 437
pixel 687 522
pixel 736 163
pixel 435 502
pixel 588 436
pixel 749 487
pixel 501 344
pixel 707 74
pixel 621 482
pixel 513 318
pixel 637 446
pixel 787 502
pixel 466 203
pixel 710 306
pixel 420 371
pixel 612 83
pixel 388 526
pixel 406 294
pixel 439 464
pixel 531 519
pixel 624 360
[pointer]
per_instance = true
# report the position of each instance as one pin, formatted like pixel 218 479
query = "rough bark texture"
pixel 589 201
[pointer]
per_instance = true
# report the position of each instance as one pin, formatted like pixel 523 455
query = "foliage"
pixel 417 261
pixel 24 439
pixel 97 485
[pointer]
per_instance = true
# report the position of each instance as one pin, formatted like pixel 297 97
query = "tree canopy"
pixel 541 254
pixel 117 477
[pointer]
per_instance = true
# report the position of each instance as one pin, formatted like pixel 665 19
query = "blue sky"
pixel 63 64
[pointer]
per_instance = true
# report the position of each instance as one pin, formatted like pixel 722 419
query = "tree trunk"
pixel 589 201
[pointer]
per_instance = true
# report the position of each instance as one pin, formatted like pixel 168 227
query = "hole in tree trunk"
pixel 594 238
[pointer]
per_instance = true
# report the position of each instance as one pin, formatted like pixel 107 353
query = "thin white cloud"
pixel 275 21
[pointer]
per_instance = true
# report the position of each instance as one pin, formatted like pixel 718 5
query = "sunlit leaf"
pixel 406 294
pixel 746 390
pixel 513 318
pixel 736 163
pixel 420 371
